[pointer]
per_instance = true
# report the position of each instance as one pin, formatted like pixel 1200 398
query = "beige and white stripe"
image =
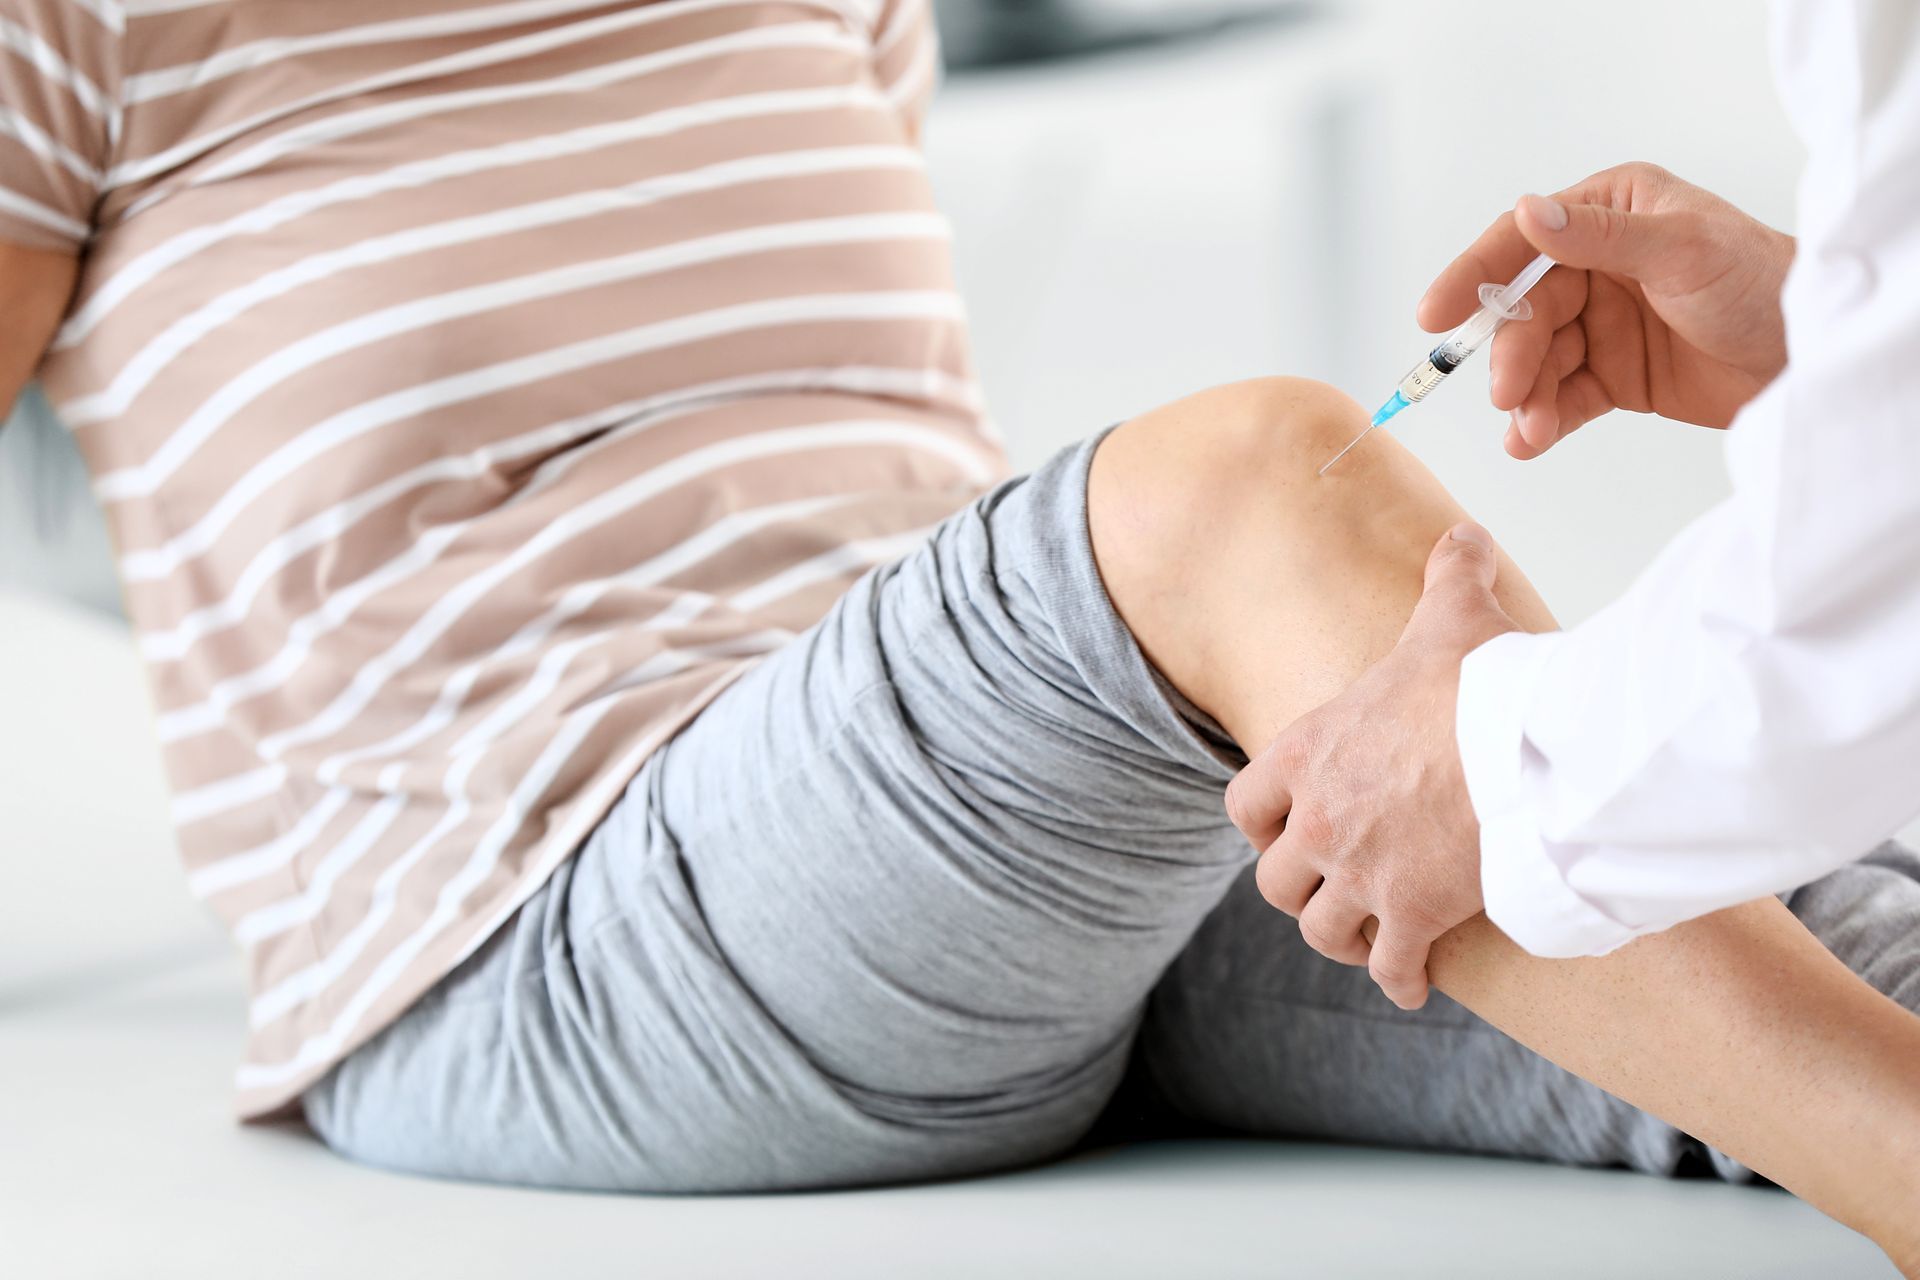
pixel 474 389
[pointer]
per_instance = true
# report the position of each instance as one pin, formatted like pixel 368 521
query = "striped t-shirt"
pixel 474 388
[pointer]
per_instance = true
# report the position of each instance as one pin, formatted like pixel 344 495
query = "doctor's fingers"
pixel 1521 346
pixel 1331 924
pixel 1501 250
pixel 1538 413
pixel 1261 795
pixel 1579 398
pixel 1287 880
pixel 1397 961
pixel 1497 254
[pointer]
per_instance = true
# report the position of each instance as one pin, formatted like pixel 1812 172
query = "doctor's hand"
pixel 1360 808
pixel 1667 301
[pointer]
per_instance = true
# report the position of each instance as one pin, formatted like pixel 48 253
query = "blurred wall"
pixel 1136 225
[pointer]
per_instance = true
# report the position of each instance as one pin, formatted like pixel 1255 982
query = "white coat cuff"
pixel 1526 893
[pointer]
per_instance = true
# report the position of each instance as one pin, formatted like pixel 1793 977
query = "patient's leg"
pixel 1260 591
pixel 1253 1032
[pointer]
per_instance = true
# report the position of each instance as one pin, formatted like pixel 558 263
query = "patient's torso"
pixel 473 389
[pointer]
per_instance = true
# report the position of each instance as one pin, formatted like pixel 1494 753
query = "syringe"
pixel 1497 306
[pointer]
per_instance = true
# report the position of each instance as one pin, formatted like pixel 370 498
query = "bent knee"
pixel 1246 456
pixel 1274 426
pixel 1223 549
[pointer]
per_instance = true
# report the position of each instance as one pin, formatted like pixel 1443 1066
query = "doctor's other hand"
pixel 1359 809
pixel 1667 301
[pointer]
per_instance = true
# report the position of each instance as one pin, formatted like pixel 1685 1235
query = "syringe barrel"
pixel 1497 306
pixel 1422 378
pixel 1472 334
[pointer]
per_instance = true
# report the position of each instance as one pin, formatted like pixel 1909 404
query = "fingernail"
pixel 1548 212
pixel 1468 531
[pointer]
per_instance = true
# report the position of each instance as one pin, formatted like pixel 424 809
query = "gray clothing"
pixel 899 905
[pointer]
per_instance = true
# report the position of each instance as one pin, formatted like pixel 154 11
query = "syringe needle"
pixel 1349 449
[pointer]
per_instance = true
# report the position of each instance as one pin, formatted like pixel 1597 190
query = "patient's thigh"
pixel 952 836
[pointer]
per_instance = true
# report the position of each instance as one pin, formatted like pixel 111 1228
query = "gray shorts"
pixel 915 896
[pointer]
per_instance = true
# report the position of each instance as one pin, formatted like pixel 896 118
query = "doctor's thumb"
pixel 1458 596
pixel 1601 238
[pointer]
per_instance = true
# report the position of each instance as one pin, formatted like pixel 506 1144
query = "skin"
pixel 1260 592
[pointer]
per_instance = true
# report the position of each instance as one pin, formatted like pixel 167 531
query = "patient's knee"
pixel 1221 488
pixel 1239 453
pixel 1222 548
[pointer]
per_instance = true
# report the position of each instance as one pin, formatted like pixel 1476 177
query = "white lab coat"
pixel 1747 716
